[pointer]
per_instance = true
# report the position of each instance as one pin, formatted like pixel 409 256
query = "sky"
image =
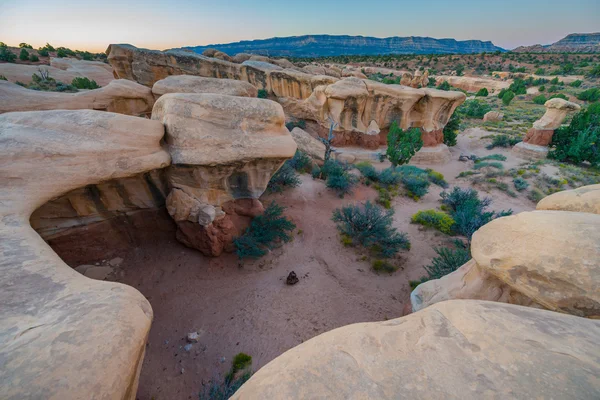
pixel 93 25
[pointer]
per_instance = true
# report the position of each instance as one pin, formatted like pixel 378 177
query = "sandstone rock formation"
pixel 63 335
pixel 528 259
pixel 583 199
pixel 241 57
pixel 119 96
pixel 224 149
pixel 456 349
pixel 536 141
pixel 197 84
pixel 473 84
pixel 308 144
pixel 94 70
pixel 22 73
pixel 493 116
pixel 214 53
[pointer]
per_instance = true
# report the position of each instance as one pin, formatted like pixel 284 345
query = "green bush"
pixel 262 94
pixel 580 141
pixel 474 108
pixel 84 83
pixel 34 58
pixel 451 130
pixel 520 184
pixel 301 162
pixel 371 226
pixel 541 99
pixel 590 95
pixel 389 177
pixel 383 266
pixel 402 145
pixel 43 52
pixel 468 211
pixel 594 72
pixel 6 54
pixel 223 390
pixel 415 180
pixel 25 46
pixel 264 231
pixel 542 88
pixel 436 178
pixel 553 89
pixel 576 83
pixel 507 98
pixel 448 260
pixel 535 195
pixel 444 86
pixel 517 87
pixel 3 78
pixel 502 141
pixel 486 164
pixel 316 171
pixel 496 157
pixel 285 177
pixel 434 219
pixel 24 55
pixel 559 96
pixel 333 167
pixel 483 92
pixel 341 184
pixel 367 170
pixel 61 53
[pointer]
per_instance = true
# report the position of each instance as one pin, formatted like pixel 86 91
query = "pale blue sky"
pixel 92 25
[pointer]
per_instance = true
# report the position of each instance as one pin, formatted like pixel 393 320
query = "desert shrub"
pixel 590 95
pixel 402 145
pixel 436 178
pixel 61 53
pixel 333 167
pixel 535 195
pixel 451 130
pixel 448 260
pixel 580 141
pixel 223 390
pixel 468 210
pixel 541 99
pixel 316 171
pixel 84 83
pixel 24 55
pixel 576 83
pixel 342 184
pixel 502 141
pixel 47 47
pixel 371 226
pixel 43 52
pixel 25 46
pixel 507 98
pixel 558 96
pixel 383 266
pixel 487 164
pixel 3 78
pixel 542 88
pixel 553 89
pixel 262 94
pixel 301 162
pixel 389 177
pixel 444 86
pixel 434 219
pixel 520 184
pixel 483 92
pixel 367 170
pixel 474 108
pixel 517 87
pixel 6 54
pixel 495 157
pixel 540 71
pixel 594 72
pixel 415 181
pixel 285 177
pixel 34 58
pixel 264 232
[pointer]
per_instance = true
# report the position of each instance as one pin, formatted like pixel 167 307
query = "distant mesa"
pixel 573 43
pixel 336 45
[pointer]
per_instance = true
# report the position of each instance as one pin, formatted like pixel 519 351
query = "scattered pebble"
pixel 188 347
pixel 193 337
pixel 292 279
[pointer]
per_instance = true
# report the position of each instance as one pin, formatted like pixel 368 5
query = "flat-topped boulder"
pixel 460 349
pixel 224 149
pixel 583 199
pixel 546 259
pixel 197 84
pixel 473 84
pixel 120 96
pixel 95 70
pixel 63 335
pixel 23 73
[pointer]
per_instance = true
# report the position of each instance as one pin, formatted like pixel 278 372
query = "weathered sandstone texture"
pixel 493 116
pixel 197 84
pixel 536 141
pixel 214 53
pixel 63 335
pixel 63 71
pixel 119 96
pixel 308 144
pixel 94 70
pixel 548 259
pixel 583 199
pixel 149 66
pixel 473 84
pixel 460 349
pixel 224 149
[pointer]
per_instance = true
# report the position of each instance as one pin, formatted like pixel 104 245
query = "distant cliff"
pixel 328 45
pixel 573 43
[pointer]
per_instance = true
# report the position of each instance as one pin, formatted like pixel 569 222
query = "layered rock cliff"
pixel 573 43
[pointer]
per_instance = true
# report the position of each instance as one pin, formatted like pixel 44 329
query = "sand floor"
pixel 249 308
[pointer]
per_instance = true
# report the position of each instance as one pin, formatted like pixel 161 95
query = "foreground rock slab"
pixel 120 96
pixel 197 84
pixel 583 199
pixel 63 335
pixel 460 349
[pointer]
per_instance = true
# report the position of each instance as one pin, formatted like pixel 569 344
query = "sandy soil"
pixel 249 308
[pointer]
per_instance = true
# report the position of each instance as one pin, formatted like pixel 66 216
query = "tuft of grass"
pixel 495 157
pixel 484 164
pixel 434 219
pixel 383 266
pixel 520 184
pixel 448 260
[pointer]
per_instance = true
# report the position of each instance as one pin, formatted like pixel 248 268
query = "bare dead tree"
pixel 330 137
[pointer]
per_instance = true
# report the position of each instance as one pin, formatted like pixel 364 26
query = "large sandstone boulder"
pixel 224 149
pixel 493 116
pixel 63 335
pixel 452 350
pixel 94 70
pixel 214 53
pixel 241 57
pixel 119 96
pixel 197 84
pixel 583 199
pixel 22 73
pixel 473 84
pixel 308 144
pixel 548 259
